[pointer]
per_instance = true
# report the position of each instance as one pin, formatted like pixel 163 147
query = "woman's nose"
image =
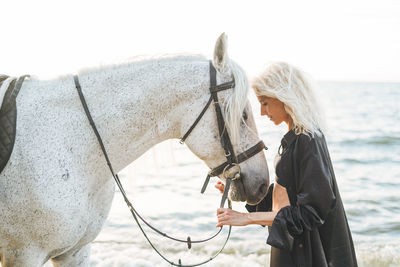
pixel 263 111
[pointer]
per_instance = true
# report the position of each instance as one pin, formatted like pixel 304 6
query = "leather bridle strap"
pixel 222 86
pixel 241 158
pixel 225 166
pixel 214 89
pixel 223 133
pixel 196 121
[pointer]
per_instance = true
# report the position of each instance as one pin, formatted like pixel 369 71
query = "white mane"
pixel 236 102
pixel 141 59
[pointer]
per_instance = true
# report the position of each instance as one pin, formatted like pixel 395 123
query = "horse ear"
pixel 221 53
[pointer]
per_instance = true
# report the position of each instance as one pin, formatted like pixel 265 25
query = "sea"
pixel 363 136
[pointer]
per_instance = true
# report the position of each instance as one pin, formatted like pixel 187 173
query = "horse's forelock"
pixel 236 102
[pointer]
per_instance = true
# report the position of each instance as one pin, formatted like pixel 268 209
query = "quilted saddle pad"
pixel 9 88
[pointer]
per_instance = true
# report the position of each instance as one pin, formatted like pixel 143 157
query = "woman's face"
pixel 274 109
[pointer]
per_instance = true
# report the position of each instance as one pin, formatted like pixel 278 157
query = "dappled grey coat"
pixel 313 230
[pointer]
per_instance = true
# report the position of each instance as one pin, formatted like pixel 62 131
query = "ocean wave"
pixel 373 254
pixel 392 228
pixel 369 254
pixel 365 161
pixel 375 140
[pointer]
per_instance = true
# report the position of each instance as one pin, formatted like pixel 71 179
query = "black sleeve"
pixel 265 204
pixel 315 196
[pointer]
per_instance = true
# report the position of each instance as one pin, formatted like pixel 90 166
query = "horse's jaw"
pixel 252 196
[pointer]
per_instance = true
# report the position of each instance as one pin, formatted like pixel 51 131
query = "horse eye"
pixel 244 115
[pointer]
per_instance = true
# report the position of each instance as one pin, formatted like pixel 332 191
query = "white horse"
pixel 56 190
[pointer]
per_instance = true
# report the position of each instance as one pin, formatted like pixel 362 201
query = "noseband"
pixel 231 162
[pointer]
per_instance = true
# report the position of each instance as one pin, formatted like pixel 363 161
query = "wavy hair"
pixel 290 85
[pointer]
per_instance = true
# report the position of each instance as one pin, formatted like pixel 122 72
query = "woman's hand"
pixel 231 217
pixel 220 186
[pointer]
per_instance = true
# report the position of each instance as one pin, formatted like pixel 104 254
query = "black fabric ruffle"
pixel 290 222
pixel 265 204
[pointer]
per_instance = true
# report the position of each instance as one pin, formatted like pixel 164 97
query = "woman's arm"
pixel 232 217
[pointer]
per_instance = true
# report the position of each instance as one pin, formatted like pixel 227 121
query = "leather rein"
pixel 232 161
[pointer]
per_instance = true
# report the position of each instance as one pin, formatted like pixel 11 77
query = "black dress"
pixel 313 231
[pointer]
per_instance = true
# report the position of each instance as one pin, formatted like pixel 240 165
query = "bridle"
pixel 231 162
pixel 231 159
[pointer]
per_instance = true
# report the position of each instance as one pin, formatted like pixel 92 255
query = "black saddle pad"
pixel 8 118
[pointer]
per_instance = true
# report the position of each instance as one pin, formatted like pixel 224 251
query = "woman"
pixel 303 210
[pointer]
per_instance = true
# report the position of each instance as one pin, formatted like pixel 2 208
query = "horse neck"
pixel 141 104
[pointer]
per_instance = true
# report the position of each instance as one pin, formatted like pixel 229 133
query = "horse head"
pixel 205 139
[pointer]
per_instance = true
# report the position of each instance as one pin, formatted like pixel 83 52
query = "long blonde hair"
pixel 290 85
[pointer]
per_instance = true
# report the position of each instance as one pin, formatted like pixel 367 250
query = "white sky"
pixel 331 40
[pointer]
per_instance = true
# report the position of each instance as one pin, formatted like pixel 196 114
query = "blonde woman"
pixel 303 209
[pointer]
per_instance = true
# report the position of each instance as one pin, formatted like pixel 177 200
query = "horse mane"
pixel 140 59
pixel 236 102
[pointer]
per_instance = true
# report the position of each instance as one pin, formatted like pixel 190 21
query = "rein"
pixel 231 162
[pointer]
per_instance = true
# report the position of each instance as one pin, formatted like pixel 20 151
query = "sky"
pixel 331 40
